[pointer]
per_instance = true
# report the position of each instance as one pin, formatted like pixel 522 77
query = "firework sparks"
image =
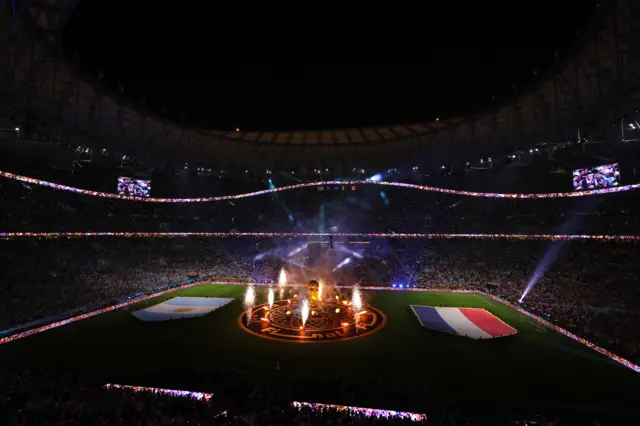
pixel 282 281
pixel 271 297
pixel 356 303
pixel 249 301
pixel 249 314
pixel 356 299
pixel 249 297
pixel 304 311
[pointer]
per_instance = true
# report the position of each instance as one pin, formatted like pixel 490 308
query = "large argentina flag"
pixel 474 323
pixel 181 307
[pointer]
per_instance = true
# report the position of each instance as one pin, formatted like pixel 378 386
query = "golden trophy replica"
pixel 314 287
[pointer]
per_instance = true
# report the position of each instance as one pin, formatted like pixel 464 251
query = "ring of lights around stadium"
pixel 334 323
pixel 521 237
pixel 314 406
pixel 200 396
pixel 314 184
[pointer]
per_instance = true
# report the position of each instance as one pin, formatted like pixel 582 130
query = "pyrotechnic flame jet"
pixel 356 299
pixel 304 311
pixel 282 281
pixel 250 297
pixel 271 297
pixel 356 304
pixel 249 301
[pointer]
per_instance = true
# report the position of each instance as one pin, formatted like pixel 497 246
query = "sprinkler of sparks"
pixel 356 299
pixel 322 303
pixel 271 298
pixel 356 303
pixel 304 311
pixel 282 281
pixel 249 301
pixel 250 297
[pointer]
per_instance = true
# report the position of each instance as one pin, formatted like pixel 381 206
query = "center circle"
pixel 327 322
pixel 321 318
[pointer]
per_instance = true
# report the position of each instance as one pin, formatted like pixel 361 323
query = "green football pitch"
pixel 534 367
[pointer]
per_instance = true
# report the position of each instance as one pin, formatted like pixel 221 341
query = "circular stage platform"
pixel 327 322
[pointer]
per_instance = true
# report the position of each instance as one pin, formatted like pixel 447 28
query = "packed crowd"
pixel 41 279
pixel 33 399
pixel 586 287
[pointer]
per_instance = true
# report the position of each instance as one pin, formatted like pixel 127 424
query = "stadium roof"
pixel 597 72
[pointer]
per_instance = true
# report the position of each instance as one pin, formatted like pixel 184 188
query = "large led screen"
pixel 596 177
pixel 134 187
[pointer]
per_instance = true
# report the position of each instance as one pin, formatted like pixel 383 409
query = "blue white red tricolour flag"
pixel 474 323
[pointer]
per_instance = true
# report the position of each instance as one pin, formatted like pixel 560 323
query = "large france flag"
pixel 181 307
pixel 474 323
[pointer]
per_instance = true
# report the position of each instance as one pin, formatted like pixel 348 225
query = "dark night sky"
pixel 286 69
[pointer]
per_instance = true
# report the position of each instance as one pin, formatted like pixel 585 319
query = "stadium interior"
pixel 233 261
